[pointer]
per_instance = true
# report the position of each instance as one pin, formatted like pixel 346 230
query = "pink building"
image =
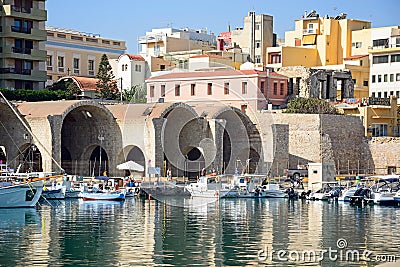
pixel 242 89
pixel 224 41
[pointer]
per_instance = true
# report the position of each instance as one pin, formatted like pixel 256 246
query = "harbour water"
pixel 185 232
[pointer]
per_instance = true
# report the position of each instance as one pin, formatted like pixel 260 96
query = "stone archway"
pixel 195 162
pixel 135 154
pixel 86 127
pixel 29 158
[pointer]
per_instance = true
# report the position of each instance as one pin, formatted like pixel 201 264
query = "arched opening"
pixel 194 163
pixel 227 150
pixel 248 161
pixel 66 160
pixel 98 162
pixel 30 159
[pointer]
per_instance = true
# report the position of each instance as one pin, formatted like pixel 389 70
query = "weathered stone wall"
pixel 385 152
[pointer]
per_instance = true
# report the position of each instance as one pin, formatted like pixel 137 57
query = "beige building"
pixel 255 36
pixel 70 52
pixel 22 37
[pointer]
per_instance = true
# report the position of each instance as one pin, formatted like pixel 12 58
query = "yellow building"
pixel 316 41
pixel 70 52
pixel 22 37
pixel 379 115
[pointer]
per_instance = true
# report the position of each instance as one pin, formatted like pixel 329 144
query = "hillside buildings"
pixel 22 40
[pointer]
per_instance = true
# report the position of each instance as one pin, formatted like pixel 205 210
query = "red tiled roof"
pixel 355 57
pixel 84 83
pixel 210 56
pixel 134 57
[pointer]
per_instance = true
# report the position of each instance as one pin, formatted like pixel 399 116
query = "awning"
pixel 130 165
pixel 309 39
pixel 154 170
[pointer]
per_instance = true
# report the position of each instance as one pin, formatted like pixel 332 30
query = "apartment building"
pixel 175 45
pixel 384 56
pixel 71 52
pixel 22 44
pixel 316 41
pixel 254 38
pixel 243 89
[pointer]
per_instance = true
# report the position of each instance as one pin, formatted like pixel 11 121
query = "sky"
pixel 126 20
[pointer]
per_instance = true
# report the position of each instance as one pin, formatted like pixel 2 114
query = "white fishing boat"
pixel 326 191
pixel 273 190
pixel 209 187
pixel 14 194
pixel 112 196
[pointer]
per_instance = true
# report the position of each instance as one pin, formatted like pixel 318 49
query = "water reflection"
pixel 191 232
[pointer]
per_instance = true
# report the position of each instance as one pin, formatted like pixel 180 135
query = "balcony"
pixel 384 48
pixel 23 53
pixel 25 13
pixel 310 31
pixel 152 38
pixel 24 33
pixel 15 71
pixel 22 74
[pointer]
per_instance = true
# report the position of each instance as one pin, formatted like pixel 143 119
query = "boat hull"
pixel 103 196
pixel 21 196
pixel 53 194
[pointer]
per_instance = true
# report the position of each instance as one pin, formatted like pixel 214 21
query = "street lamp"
pixel 101 138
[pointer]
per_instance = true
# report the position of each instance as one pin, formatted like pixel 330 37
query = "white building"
pixel 129 70
pixel 384 53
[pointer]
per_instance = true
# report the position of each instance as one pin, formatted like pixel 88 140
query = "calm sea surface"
pixel 185 232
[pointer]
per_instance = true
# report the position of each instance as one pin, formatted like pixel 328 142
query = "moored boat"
pixel 209 187
pixel 113 196
pixel 20 195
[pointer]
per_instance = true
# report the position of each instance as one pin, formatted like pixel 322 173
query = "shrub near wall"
pixel 34 95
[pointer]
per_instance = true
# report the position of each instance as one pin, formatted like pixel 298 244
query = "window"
pixel 91 64
pixel 354 81
pixel 162 67
pixel 380 59
pixel 373 78
pixel 258 59
pixel 105 41
pixel 385 78
pixel 177 90
pixel 392 77
pixel 49 60
pixel 62 36
pixel 258 24
pixel 262 87
pixel 379 129
pixel 163 90
pixel 258 44
pixel 380 42
pixel 361 62
pixel 282 88
pixel 275 58
pixel 193 89
pixel 379 78
pixel 244 88
pixel 49 77
pixel 60 62
pixel 209 89
pixel 395 58
pixel 151 90
pixel 397 77
pixel 226 88
pixel 76 63
pixel 379 94
pixel 138 68
pixel 275 88
pixel 373 94
pixel 365 83
pixel 385 94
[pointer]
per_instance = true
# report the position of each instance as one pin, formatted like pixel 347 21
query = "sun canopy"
pixel 130 165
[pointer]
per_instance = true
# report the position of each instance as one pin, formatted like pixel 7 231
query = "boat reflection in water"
pixel 183 232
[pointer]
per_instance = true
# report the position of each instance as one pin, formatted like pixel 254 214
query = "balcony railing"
pixel 21 9
pixel 384 46
pixel 21 29
pixel 21 50
pixel 15 71
pixel 310 31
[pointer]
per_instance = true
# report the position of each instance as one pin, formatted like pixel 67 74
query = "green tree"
pixel 135 94
pixel 106 83
pixel 310 106
pixel 70 88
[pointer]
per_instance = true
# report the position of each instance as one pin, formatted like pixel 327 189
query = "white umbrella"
pixel 130 165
